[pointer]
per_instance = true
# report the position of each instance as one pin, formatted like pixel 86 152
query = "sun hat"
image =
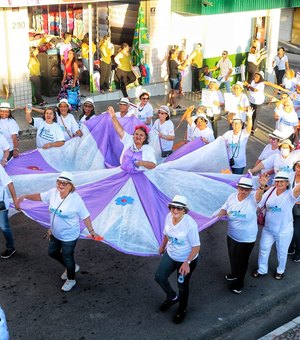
pixel 143 91
pixel 240 84
pixel 5 106
pixel 213 80
pixel 164 108
pixel 89 100
pixel 124 101
pixel 245 182
pixel 282 176
pixel 203 116
pixel 288 142
pixel 179 201
pixel 237 117
pixel 276 134
pixel 63 101
pixel 66 176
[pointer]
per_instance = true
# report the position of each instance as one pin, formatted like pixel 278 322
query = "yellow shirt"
pixel 34 66
pixel 125 61
pixel 105 54
pixel 85 50
pixel 198 59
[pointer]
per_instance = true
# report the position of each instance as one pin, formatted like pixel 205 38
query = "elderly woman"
pixel 282 161
pixel 199 128
pixel 66 120
pixel 66 210
pixel 136 155
pixel 236 142
pixel 278 229
pixel 144 110
pixel 165 129
pixel 294 248
pixel 240 209
pixel 180 249
pixel 286 118
pixel 9 128
pixel 49 133
pixel 256 97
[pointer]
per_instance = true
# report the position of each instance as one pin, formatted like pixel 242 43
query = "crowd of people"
pixel 278 165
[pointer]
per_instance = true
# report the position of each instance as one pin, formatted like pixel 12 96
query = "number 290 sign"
pixel 18 25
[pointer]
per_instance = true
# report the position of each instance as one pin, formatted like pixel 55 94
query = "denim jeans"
pixel 5 227
pixel 295 244
pixel 63 252
pixel 165 268
pixel 227 84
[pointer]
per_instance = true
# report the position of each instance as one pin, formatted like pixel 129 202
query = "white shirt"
pixel 280 62
pixel 65 214
pixel 68 125
pixel 47 133
pixel 4 181
pixel 242 220
pixel 130 112
pixel 286 122
pixel 205 133
pixel 143 113
pixel 225 66
pixel 241 103
pixel 9 127
pixel 279 216
pixel 236 144
pixel 257 97
pixel 167 129
pixel 213 109
pixel 147 150
pixel 266 153
pixel 181 237
pixel 3 146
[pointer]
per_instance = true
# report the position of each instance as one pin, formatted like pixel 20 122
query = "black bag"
pixel 2 205
pixel 165 154
pixel 231 161
pixel 296 210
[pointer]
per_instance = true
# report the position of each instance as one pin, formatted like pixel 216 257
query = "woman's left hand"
pixel 185 268
pixel 16 153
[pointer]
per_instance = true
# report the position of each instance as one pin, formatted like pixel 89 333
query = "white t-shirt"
pixel 144 113
pixel 9 127
pixel 279 216
pixel 181 237
pixel 4 181
pixel 257 97
pixel 286 122
pixel 47 133
pixel 289 84
pixel 242 221
pixel 236 144
pixel 65 214
pixel 70 127
pixel 3 146
pixel 206 133
pixel 167 129
pixel 266 153
pixel 147 150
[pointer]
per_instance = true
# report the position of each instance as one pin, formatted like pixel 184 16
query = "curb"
pixel 291 330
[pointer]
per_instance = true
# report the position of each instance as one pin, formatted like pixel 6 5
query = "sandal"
pixel 278 276
pixel 256 274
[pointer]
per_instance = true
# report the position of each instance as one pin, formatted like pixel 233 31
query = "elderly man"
pixel 225 67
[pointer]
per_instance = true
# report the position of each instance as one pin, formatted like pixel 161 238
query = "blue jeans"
pixel 165 268
pixel 5 227
pixel 63 252
pixel 227 84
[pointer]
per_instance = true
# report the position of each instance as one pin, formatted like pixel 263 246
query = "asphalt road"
pixel 116 296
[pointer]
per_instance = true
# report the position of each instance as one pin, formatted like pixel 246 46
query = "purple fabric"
pixel 224 180
pixel 107 139
pixel 185 149
pixel 29 163
pixel 128 159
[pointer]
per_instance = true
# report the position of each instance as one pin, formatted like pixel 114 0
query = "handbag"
pixel 296 210
pixel 261 213
pixel 2 203
pixel 72 97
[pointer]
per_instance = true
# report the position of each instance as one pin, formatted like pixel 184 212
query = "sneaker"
pixel 168 304
pixel 296 258
pixel 64 275
pixel 68 285
pixel 179 316
pixel 236 291
pixel 8 253
pixel 230 277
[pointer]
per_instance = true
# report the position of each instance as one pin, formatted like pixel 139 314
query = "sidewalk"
pixel 290 331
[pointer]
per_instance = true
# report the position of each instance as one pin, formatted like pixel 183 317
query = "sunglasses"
pixel 145 98
pixel 173 207
pixel 64 184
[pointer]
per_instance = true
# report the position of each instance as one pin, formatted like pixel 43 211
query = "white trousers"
pixel 282 245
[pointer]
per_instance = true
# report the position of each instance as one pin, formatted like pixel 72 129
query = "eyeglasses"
pixel 64 184
pixel 173 207
pixel 145 98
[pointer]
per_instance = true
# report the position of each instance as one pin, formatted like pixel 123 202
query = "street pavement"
pixel 116 296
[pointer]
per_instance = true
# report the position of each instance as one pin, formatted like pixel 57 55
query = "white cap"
pixel 240 84
pixel 89 100
pixel 282 176
pixel 202 115
pixel 124 101
pixel 179 201
pixel 63 101
pixel 245 182
pixel 5 106
pixel 164 108
pixel 66 176
pixel 276 134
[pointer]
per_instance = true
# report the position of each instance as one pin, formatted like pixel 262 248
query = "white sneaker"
pixel 64 275
pixel 68 285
